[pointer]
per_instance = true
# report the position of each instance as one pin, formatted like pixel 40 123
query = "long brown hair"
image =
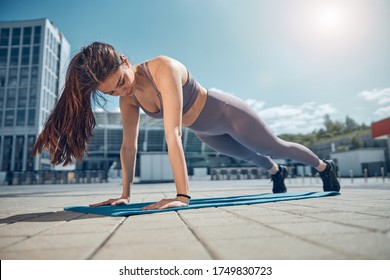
pixel 69 126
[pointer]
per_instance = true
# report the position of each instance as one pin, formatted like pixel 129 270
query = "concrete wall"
pixel 354 160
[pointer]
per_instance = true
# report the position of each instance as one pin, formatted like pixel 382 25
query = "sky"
pixel 293 61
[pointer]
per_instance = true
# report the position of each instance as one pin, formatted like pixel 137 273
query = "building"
pixel 103 151
pixel 106 142
pixel 371 159
pixel 360 161
pixel 380 130
pixel 33 56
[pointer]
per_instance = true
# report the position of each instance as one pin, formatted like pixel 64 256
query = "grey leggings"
pixel 228 125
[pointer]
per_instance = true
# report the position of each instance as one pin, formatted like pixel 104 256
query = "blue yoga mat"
pixel 135 208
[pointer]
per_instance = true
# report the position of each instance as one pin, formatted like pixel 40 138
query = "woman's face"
pixel 120 82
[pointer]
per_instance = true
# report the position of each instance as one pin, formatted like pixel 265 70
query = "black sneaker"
pixel 329 177
pixel 278 180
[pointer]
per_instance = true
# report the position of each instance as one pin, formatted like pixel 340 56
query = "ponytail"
pixel 69 127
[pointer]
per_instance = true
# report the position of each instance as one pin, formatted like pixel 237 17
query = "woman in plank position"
pixel 164 88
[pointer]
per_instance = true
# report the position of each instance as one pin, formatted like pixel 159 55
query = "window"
pixel 23 78
pixel 3 57
pixel 26 56
pixel 11 98
pixel 16 36
pixel 115 142
pixel 19 151
pixel 141 141
pixel 97 141
pixel 37 35
pixel 7 153
pixel 9 118
pixel 2 97
pixel 31 117
pixel 2 77
pixel 34 75
pixel 22 98
pixel 155 140
pixel 35 58
pixel 193 143
pixel 12 77
pixel 33 97
pixel 14 56
pixel 4 37
pixel 27 35
pixel 21 118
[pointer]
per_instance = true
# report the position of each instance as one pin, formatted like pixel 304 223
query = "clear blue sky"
pixel 292 60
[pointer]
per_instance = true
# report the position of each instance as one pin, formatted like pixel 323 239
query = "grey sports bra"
pixel 190 92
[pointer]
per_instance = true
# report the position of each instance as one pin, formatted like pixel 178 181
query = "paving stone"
pixel 360 245
pixel 134 236
pixel 76 228
pixel 73 253
pixel 283 219
pixel 373 224
pixel 26 228
pixel 317 228
pixel 274 248
pixel 153 251
pixel 341 216
pixel 55 242
pixel 153 221
pixel 229 232
pixel 205 215
pixel 93 219
pixel 254 210
pixel 9 240
pixel 214 222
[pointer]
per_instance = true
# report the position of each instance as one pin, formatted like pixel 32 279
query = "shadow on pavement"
pixel 58 216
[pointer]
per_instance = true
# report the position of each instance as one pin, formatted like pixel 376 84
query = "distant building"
pixel 103 151
pixel 372 153
pixel 380 130
pixel 355 162
pixel 33 56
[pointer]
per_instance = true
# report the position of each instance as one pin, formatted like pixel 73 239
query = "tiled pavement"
pixel 354 225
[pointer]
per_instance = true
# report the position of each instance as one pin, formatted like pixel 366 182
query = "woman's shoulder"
pixel 163 64
pixel 161 59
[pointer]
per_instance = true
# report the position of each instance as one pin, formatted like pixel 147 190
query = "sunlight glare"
pixel 328 28
pixel 330 19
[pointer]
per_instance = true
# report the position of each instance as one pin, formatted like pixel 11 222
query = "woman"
pixel 164 88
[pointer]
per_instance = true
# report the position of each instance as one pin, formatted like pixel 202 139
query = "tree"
pixel 350 124
pixel 333 128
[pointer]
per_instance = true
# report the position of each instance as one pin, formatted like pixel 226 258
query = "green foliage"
pixel 332 131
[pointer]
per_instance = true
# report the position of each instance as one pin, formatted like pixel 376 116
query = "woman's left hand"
pixel 166 203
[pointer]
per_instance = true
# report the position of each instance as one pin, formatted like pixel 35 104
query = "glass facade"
pixel 31 53
pixel 106 143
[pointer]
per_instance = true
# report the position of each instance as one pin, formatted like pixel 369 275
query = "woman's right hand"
pixel 112 201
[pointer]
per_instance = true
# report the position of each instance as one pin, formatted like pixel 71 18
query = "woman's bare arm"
pixel 168 75
pixel 128 152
